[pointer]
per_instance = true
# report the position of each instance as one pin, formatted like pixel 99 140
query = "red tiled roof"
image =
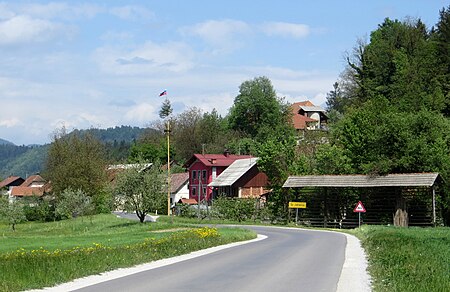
pixel 27 191
pixel 9 180
pixel 31 179
pixel 299 121
pixel 215 159
pixel 178 180
pixel 188 201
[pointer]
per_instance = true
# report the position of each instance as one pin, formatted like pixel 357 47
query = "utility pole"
pixel 167 130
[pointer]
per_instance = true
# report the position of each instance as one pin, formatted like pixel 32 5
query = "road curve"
pixel 289 259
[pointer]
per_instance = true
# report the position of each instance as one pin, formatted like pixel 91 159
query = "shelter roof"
pixel 363 181
pixel 235 171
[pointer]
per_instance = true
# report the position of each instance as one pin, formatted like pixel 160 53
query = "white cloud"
pixel 145 59
pixel 9 122
pixel 141 113
pixel 224 35
pixel 132 12
pixel 24 29
pixel 285 29
pixel 59 10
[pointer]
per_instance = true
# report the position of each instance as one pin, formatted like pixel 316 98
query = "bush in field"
pixel 238 209
pixel 187 211
pixel 39 209
pixel 72 204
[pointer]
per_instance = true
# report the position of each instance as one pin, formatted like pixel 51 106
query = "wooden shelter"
pixel 398 199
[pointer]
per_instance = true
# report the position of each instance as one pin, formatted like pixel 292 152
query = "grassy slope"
pixel 407 259
pixel 103 242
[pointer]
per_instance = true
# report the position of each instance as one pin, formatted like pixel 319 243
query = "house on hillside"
pixel 307 116
pixel 204 168
pixel 241 179
pixel 34 185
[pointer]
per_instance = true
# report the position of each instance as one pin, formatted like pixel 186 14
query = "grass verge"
pixel 45 254
pixel 407 259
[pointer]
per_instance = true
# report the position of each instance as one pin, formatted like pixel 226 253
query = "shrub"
pixel 72 204
pixel 238 209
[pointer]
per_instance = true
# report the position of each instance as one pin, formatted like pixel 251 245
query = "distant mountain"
pixel 5 142
pixel 122 133
pixel 26 160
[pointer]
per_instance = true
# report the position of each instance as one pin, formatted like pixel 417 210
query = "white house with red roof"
pixel 204 168
pixel 179 187
pixel 307 116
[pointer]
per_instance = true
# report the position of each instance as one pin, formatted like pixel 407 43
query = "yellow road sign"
pixel 298 205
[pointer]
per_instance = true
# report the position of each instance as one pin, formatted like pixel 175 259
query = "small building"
pixel 10 181
pixel 242 179
pixel 34 185
pixel 408 199
pixel 307 116
pixel 179 187
pixel 204 168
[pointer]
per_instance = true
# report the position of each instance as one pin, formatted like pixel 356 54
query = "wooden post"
pixel 434 206
pixel 401 214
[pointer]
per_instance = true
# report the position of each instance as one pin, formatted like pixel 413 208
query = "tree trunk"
pixel 401 214
pixel 141 216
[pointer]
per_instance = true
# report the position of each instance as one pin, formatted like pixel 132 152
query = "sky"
pixel 103 63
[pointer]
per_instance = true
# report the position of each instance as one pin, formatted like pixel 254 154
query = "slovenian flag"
pixel 163 93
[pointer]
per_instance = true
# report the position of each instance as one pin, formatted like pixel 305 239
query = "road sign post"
pixel 296 206
pixel 359 209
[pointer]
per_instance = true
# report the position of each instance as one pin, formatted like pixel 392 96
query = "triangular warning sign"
pixel 359 208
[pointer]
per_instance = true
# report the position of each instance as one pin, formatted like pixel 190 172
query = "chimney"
pixel 226 152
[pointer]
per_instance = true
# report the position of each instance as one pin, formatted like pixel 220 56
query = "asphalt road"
pixel 288 260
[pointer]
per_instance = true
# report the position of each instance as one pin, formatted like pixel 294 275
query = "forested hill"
pixel 122 133
pixel 26 160
pixel 5 142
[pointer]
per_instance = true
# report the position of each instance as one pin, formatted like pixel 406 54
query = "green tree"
pixel 142 191
pixel 257 111
pixel 148 152
pixel 166 109
pixel 12 212
pixel 441 41
pixel 278 159
pixel 76 162
pixel 194 131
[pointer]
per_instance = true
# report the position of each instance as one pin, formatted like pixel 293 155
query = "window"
pixel 204 192
pixel 203 174
pixel 194 190
pixel 194 175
